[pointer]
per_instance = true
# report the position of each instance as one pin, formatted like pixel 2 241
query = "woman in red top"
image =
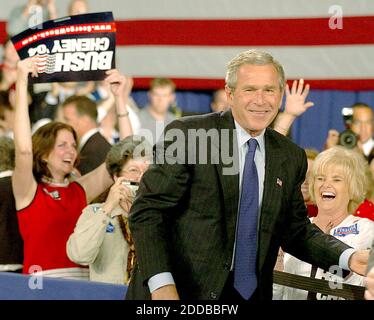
pixel 48 204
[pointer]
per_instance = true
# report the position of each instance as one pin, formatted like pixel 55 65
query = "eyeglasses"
pixel 133 171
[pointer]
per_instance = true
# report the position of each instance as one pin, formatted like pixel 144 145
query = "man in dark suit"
pixel 210 216
pixel 81 113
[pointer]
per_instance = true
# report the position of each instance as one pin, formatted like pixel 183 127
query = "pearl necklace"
pixel 53 183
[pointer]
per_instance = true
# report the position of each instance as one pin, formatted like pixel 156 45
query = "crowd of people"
pixel 72 158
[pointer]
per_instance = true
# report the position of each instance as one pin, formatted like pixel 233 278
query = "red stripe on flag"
pixel 264 32
pixel 341 84
pixel 260 32
pixel 3 34
pixel 213 84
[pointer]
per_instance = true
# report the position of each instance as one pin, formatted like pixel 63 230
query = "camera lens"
pixel 348 139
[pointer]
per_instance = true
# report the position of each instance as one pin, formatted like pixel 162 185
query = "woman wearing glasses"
pixel 101 238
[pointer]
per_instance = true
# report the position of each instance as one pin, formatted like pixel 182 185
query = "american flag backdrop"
pixel 330 43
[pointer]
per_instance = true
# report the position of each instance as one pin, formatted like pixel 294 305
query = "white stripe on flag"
pixel 321 62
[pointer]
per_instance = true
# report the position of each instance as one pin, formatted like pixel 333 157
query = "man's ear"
pixel 229 95
pixel 173 97
pixel 281 100
pixel 85 120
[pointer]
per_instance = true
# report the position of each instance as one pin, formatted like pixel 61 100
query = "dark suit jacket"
pixel 93 153
pixel 184 219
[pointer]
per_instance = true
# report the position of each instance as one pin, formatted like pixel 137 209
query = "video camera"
pixel 348 138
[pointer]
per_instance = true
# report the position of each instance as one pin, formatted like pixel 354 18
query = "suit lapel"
pixel 228 170
pixel 272 198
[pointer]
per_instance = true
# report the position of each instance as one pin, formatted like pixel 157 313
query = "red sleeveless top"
pixel 47 223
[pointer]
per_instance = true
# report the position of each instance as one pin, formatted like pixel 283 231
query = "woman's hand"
pixel 26 66
pixel 332 139
pixel 120 86
pixel 118 192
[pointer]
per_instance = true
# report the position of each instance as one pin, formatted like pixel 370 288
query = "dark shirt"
pixel 11 244
pixel 93 153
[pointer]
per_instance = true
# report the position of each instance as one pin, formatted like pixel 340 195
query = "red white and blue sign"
pixel 74 48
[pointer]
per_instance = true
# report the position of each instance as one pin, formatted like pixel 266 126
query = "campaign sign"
pixel 75 48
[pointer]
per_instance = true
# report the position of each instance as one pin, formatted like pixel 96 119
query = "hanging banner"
pixel 75 48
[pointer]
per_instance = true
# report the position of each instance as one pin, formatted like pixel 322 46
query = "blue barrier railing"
pixel 21 287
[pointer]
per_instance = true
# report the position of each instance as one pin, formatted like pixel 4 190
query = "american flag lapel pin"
pixel 279 182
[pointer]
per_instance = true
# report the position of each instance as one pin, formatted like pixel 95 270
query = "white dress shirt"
pixel 367 146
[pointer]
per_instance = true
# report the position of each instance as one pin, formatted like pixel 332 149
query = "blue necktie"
pixel 245 280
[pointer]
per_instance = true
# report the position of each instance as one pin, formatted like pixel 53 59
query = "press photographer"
pixel 361 125
pixel 348 138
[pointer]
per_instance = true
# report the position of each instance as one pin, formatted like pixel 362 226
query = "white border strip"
pixel 214 9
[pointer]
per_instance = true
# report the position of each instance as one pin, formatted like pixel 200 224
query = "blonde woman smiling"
pixel 338 184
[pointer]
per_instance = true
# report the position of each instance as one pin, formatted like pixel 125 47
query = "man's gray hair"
pixel 6 154
pixel 252 57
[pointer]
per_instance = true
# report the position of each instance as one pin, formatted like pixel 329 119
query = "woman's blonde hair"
pixel 355 169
